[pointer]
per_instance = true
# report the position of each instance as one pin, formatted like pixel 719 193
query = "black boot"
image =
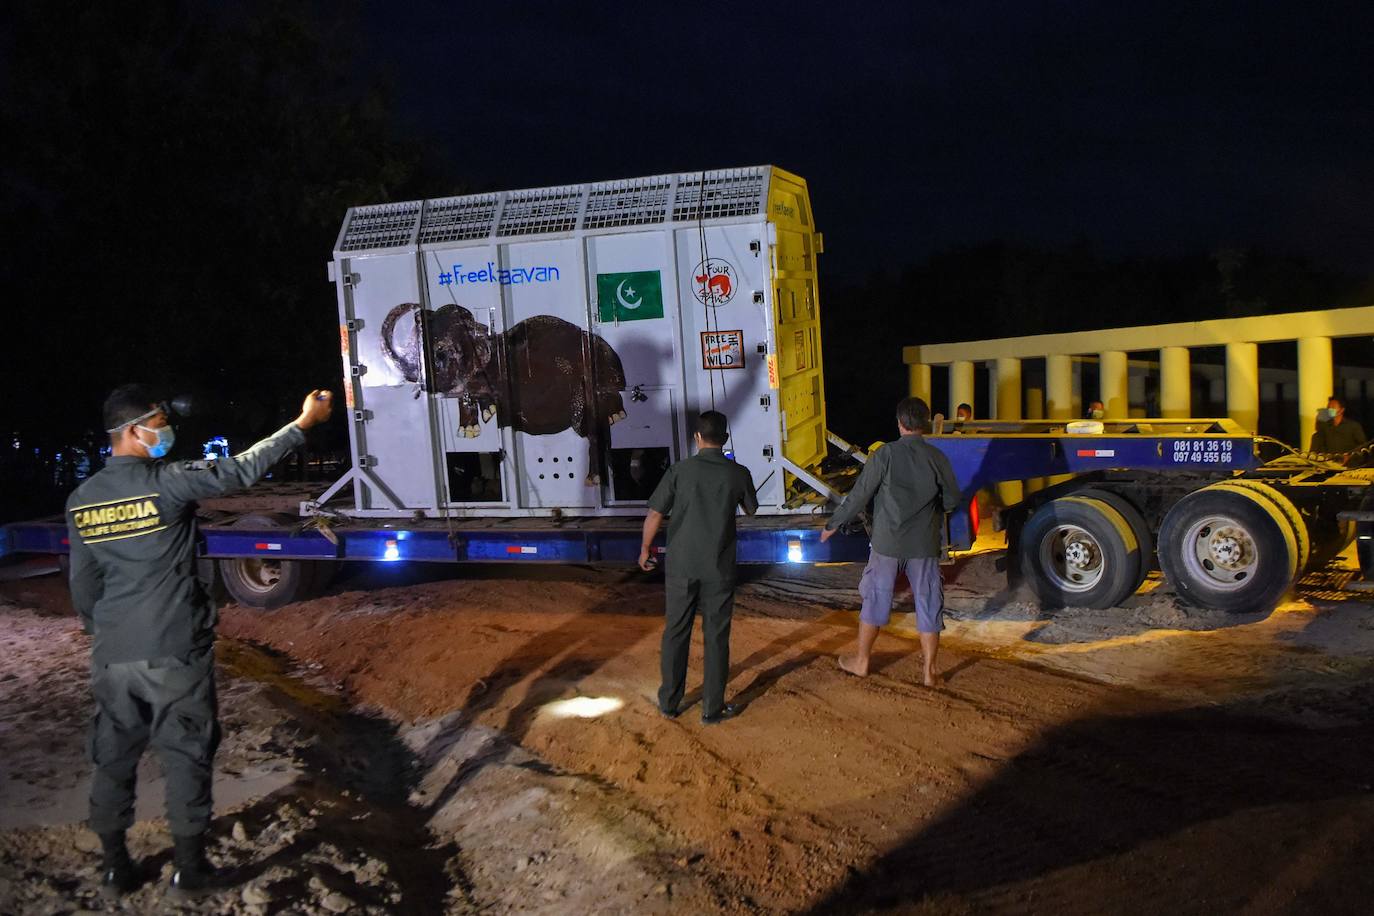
pixel 193 872
pixel 118 874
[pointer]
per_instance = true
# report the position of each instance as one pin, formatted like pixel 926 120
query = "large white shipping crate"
pixel 544 352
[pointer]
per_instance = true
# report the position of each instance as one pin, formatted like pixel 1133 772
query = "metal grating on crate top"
pixel 653 200
pixel 380 226
pixel 541 210
pixel 714 195
pixel 633 202
pixel 458 218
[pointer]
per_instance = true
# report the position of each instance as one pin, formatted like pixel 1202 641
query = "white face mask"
pixel 1096 414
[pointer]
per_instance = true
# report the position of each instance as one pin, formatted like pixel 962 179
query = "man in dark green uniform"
pixel 699 496
pixel 133 581
pixel 912 486
pixel 1336 434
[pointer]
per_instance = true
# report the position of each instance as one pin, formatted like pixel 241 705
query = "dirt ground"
pixel 407 744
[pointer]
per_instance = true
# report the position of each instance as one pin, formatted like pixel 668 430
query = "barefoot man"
pixel 912 486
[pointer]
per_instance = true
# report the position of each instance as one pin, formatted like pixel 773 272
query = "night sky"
pixel 1146 129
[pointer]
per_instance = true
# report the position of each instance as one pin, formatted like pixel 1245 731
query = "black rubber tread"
pixel 1143 535
pixel 298 577
pixel 1266 525
pixel 295 583
pixel 1121 551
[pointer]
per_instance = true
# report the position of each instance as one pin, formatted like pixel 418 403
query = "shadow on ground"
pixel 1209 809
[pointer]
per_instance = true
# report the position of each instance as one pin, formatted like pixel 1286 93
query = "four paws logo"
pixel 714 282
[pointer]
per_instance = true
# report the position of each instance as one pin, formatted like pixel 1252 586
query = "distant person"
pixel 912 486
pixel 699 496
pixel 1095 411
pixel 133 582
pixel 963 413
pixel 1336 434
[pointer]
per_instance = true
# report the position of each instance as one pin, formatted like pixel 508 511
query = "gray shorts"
pixel 927 590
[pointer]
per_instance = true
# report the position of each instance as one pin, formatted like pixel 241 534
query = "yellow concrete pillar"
pixel 1242 384
pixel 918 381
pixel 1175 382
pixel 1059 396
pixel 961 385
pixel 1112 381
pixel 1007 386
pixel 1059 385
pixel 1008 397
pixel 1035 410
pixel 1314 384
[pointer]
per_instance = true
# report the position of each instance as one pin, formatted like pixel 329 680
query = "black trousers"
pixel 716 602
pixel 170 703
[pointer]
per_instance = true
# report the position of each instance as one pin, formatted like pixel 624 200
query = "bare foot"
pixel 852 664
pixel 931 679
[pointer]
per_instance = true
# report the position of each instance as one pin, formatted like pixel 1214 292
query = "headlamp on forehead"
pixel 161 407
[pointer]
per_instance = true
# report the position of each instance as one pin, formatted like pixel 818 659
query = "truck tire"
pixel 1289 511
pixel 267 582
pixel 1079 551
pixel 1143 535
pixel 1229 548
pixel 263 582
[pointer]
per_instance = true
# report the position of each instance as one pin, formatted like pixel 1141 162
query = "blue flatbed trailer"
pixel 534 540
pixel 1133 475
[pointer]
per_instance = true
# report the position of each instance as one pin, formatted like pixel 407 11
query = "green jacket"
pixel 700 495
pixel 131 529
pixel 912 486
pixel 1331 439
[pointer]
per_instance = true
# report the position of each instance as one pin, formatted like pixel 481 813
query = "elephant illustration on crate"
pixel 540 377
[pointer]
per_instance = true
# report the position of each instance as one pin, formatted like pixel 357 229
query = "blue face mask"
pixel 166 437
pixel 1326 414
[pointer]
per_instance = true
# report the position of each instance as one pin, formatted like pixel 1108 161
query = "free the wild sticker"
pixel 120 518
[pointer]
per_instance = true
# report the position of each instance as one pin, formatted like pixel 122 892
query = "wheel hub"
pixel 1222 552
pixel 1228 548
pixel 1072 558
pixel 1079 554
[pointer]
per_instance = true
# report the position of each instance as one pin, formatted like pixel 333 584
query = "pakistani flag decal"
pixel 629 297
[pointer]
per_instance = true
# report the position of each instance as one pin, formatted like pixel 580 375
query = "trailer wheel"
pixel 1286 508
pixel 262 582
pixel 1079 551
pixel 1143 536
pixel 266 582
pixel 1229 548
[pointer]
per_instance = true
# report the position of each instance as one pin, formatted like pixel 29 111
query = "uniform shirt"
pixel 912 485
pixel 1332 439
pixel 699 496
pixel 131 528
